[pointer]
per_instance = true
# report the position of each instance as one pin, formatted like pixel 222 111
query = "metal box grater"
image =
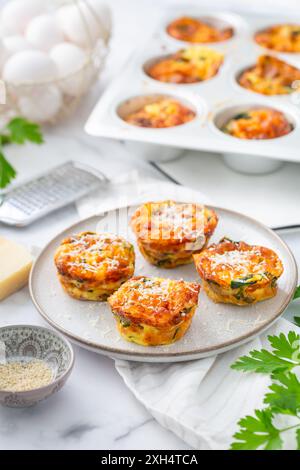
pixel 50 191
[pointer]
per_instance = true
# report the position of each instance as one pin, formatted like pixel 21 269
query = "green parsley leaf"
pixel 298 438
pixel 262 362
pixel 257 432
pixel 21 131
pixel 7 172
pixel 287 347
pixel 267 362
pixel 297 321
pixel 297 293
pixel 285 395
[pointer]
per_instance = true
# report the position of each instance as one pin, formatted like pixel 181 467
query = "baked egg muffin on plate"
pixel 196 30
pixel 270 76
pixel 91 266
pixel 153 311
pixel 238 273
pixel 168 233
pixel 191 65
pixel 280 37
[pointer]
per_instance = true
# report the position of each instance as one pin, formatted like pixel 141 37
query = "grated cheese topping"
pixel 154 299
pixel 94 254
pixel 170 220
pixel 240 261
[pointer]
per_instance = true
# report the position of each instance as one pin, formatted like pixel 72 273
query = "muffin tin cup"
pixel 208 98
pixel 252 165
pixel 143 150
pixel 217 19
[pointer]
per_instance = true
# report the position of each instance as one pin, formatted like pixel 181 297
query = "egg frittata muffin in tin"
pixel 280 37
pixel 238 273
pixel 154 311
pixel 191 65
pixel 168 233
pixel 258 124
pixel 161 114
pixel 91 266
pixel 270 76
pixel 196 30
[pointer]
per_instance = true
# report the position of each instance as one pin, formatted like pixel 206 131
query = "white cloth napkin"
pixel 200 401
pixel 129 189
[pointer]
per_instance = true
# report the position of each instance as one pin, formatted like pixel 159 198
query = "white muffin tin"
pixel 214 100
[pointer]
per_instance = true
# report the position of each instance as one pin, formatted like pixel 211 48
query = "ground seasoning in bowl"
pixel 20 376
pixel 35 363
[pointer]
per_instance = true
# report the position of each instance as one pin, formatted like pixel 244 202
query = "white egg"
pixel 70 61
pixel 42 105
pixel 16 14
pixel 103 15
pixel 29 66
pixel 14 44
pixel 43 32
pixel 79 24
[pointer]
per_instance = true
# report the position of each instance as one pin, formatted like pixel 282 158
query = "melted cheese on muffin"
pixel 168 232
pixel 281 37
pixel 194 30
pixel 238 273
pixel 270 76
pixel 154 311
pixel 160 114
pixel 191 65
pixel 92 265
pixel 259 123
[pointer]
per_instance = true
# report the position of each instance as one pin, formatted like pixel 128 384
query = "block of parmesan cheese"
pixel 15 265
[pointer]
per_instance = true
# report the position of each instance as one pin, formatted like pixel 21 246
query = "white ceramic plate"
pixel 215 327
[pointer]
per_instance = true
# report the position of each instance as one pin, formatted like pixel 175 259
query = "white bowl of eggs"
pixel 51 52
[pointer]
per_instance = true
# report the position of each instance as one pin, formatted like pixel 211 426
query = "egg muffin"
pixel 258 123
pixel 194 30
pixel 91 266
pixel 161 113
pixel 168 233
pixel 191 65
pixel 270 76
pixel 154 311
pixel 280 37
pixel 238 273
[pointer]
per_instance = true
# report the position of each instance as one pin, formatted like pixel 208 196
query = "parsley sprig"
pixel 297 296
pixel 297 293
pixel 283 397
pixel 284 356
pixel 17 131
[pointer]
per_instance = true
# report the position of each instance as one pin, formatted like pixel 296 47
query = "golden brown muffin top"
pixel 270 76
pixel 191 65
pixel 161 114
pixel 259 124
pixel 231 263
pixel 155 301
pixel 280 37
pixel 95 256
pixel 194 30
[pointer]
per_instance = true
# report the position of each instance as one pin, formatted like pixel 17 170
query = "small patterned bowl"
pixel 25 342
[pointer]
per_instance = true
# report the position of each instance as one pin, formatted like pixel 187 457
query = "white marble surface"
pixel 95 410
